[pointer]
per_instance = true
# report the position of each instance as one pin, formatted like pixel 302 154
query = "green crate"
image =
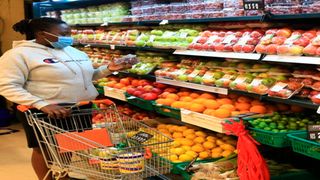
pixel 168 111
pixel 278 140
pixel 302 145
pixel 141 103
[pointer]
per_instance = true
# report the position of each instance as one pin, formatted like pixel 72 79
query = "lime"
pixel 281 127
pixel 283 130
pixel 305 120
pixel 301 124
pixel 267 128
pixel 275 130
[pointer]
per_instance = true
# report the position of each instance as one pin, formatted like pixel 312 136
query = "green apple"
pixel 281 78
pixel 190 39
pixel 233 84
pixel 140 43
pixel 157 32
pixel 218 75
pixel 197 79
pixel 183 77
pixel 219 83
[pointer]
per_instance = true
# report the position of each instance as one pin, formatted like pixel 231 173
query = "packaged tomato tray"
pixel 229 40
pixel 248 41
pixel 285 90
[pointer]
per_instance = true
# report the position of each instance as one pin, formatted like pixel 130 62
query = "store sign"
pixel 314 132
pixel 253 4
pixel 141 137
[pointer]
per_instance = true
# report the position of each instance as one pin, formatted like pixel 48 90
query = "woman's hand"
pixel 56 111
pixel 118 67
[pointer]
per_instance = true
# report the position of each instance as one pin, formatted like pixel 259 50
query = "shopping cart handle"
pixel 24 108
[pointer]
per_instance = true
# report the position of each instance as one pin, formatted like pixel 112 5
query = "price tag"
pixel 112 47
pixel 243 40
pixel 279 86
pixel 164 22
pixel 183 35
pixel 314 132
pixel 141 137
pixel 253 4
pixel 194 73
pixel 240 80
pixel 105 24
pixel 228 39
pixel 207 75
pixel 256 82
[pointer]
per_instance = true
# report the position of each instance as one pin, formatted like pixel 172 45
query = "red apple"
pixel 197 46
pixel 253 41
pixel 284 32
pixel 156 90
pixel 125 81
pixel 297 32
pixel 202 40
pixel 219 47
pixel 271 31
pixel 261 48
pixel 271 49
pixel 237 48
pixel 303 41
pixel 283 49
pixel 131 90
pixel 140 88
pixel 310 50
pixel 278 40
pixel 228 48
pixel 138 93
pixel 248 48
pixel 310 34
pixel 144 82
pixel 147 88
pixel 318 51
pixel 149 96
pixel 206 33
pixel 256 34
pixel 159 85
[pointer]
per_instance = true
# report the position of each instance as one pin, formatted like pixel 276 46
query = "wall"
pixel 11 11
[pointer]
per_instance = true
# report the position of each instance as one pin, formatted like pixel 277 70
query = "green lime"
pixel 305 120
pixel 301 124
pixel 275 130
pixel 283 130
pixel 267 128
pixel 281 127
pixel 303 128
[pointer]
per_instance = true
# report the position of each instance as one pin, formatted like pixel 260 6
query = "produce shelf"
pixel 192 86
pixel 292 59
pixel 293 101
pixel 134 48
pixel 248 56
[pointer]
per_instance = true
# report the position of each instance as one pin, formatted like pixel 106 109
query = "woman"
pixel 45 71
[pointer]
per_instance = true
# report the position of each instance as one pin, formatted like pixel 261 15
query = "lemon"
pixel 192 153
pixel 185 157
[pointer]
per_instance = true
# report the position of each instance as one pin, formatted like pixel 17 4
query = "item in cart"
pixel 131 162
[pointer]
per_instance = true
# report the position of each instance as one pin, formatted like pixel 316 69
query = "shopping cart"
pixel 116 147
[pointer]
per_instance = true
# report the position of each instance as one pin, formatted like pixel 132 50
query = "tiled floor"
pixel 15 156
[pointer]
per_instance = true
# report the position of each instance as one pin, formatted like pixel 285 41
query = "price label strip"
pixel 141 137
pixel 314 132
pixel 253 4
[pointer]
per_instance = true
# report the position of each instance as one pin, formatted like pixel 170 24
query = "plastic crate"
pixel 168 111
pixel 141 103
pixel 302 145
pixel 278 140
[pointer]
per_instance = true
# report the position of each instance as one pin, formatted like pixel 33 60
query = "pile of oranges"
pixel 220 106
pixel 190 143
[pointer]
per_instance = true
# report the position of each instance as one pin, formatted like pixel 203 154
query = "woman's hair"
pixel 30 27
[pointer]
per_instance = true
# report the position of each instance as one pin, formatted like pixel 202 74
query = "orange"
pixel 228 106
pixel 283 107
pixel 172 96
pixel 135 82
pixel 256 102
pixel 211 139
pixel 200 134
pixel 242 106
pixel 181 94
pixel 191 136
pixel 186 142
pixel 216 155
pixel 186 105
pixel 211 104
pixel 217 149
pixel 203 155
pixel 271 108
pixel 208 145
pixel 258 109
pixel 177 104
pixel 243 99
pixel 208 111
pixel 222 113
pixel 160 101
pixel 186 99
pixel 182 128
pixel 194 95
pixel 224 101
pixel 207 96
pixel 197 148
pixel 235 113
pixel 226 153
pixel 199 140
pixel 111 83
pixel 119 86
pixel 199 100
pixel 296 109
pixel 227 147
pixel 188 131
pixel 168 102
pixel 197 107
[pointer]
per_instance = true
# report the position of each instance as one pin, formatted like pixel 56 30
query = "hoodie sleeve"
pixel 13 75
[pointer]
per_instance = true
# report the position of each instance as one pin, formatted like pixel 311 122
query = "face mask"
pixel 62 42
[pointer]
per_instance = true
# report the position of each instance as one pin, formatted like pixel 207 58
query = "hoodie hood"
pixel 25 43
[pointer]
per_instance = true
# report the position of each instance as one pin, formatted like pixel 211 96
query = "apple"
pixel 156 90
pixel 140 88
pixel 149 96
pixel 278 40
pixel 310 34
pixel 284 32
pixel 157 32
pixel 283 49
pixel 171 90
pixel 248 48
pixel 256 34
pixel 206 33
pixel 303 41
pixel 310 50
pixel 202 40
pixel 125 81
pixel 159 85
pixel 318 51
pixel 131 90
pixel 197 79
pixel 237 48
pixel 295 50
pixel 271 49
pixel 261 48
pixel 183 77
pixel 147 88
pixel 271 31
pixel 138 93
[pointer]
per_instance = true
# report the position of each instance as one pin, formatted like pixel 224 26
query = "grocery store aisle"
pixel 15 156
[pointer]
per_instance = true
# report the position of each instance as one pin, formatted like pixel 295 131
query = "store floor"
pixel 15 156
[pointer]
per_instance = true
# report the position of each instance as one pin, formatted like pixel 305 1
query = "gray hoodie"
pixel 36 75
